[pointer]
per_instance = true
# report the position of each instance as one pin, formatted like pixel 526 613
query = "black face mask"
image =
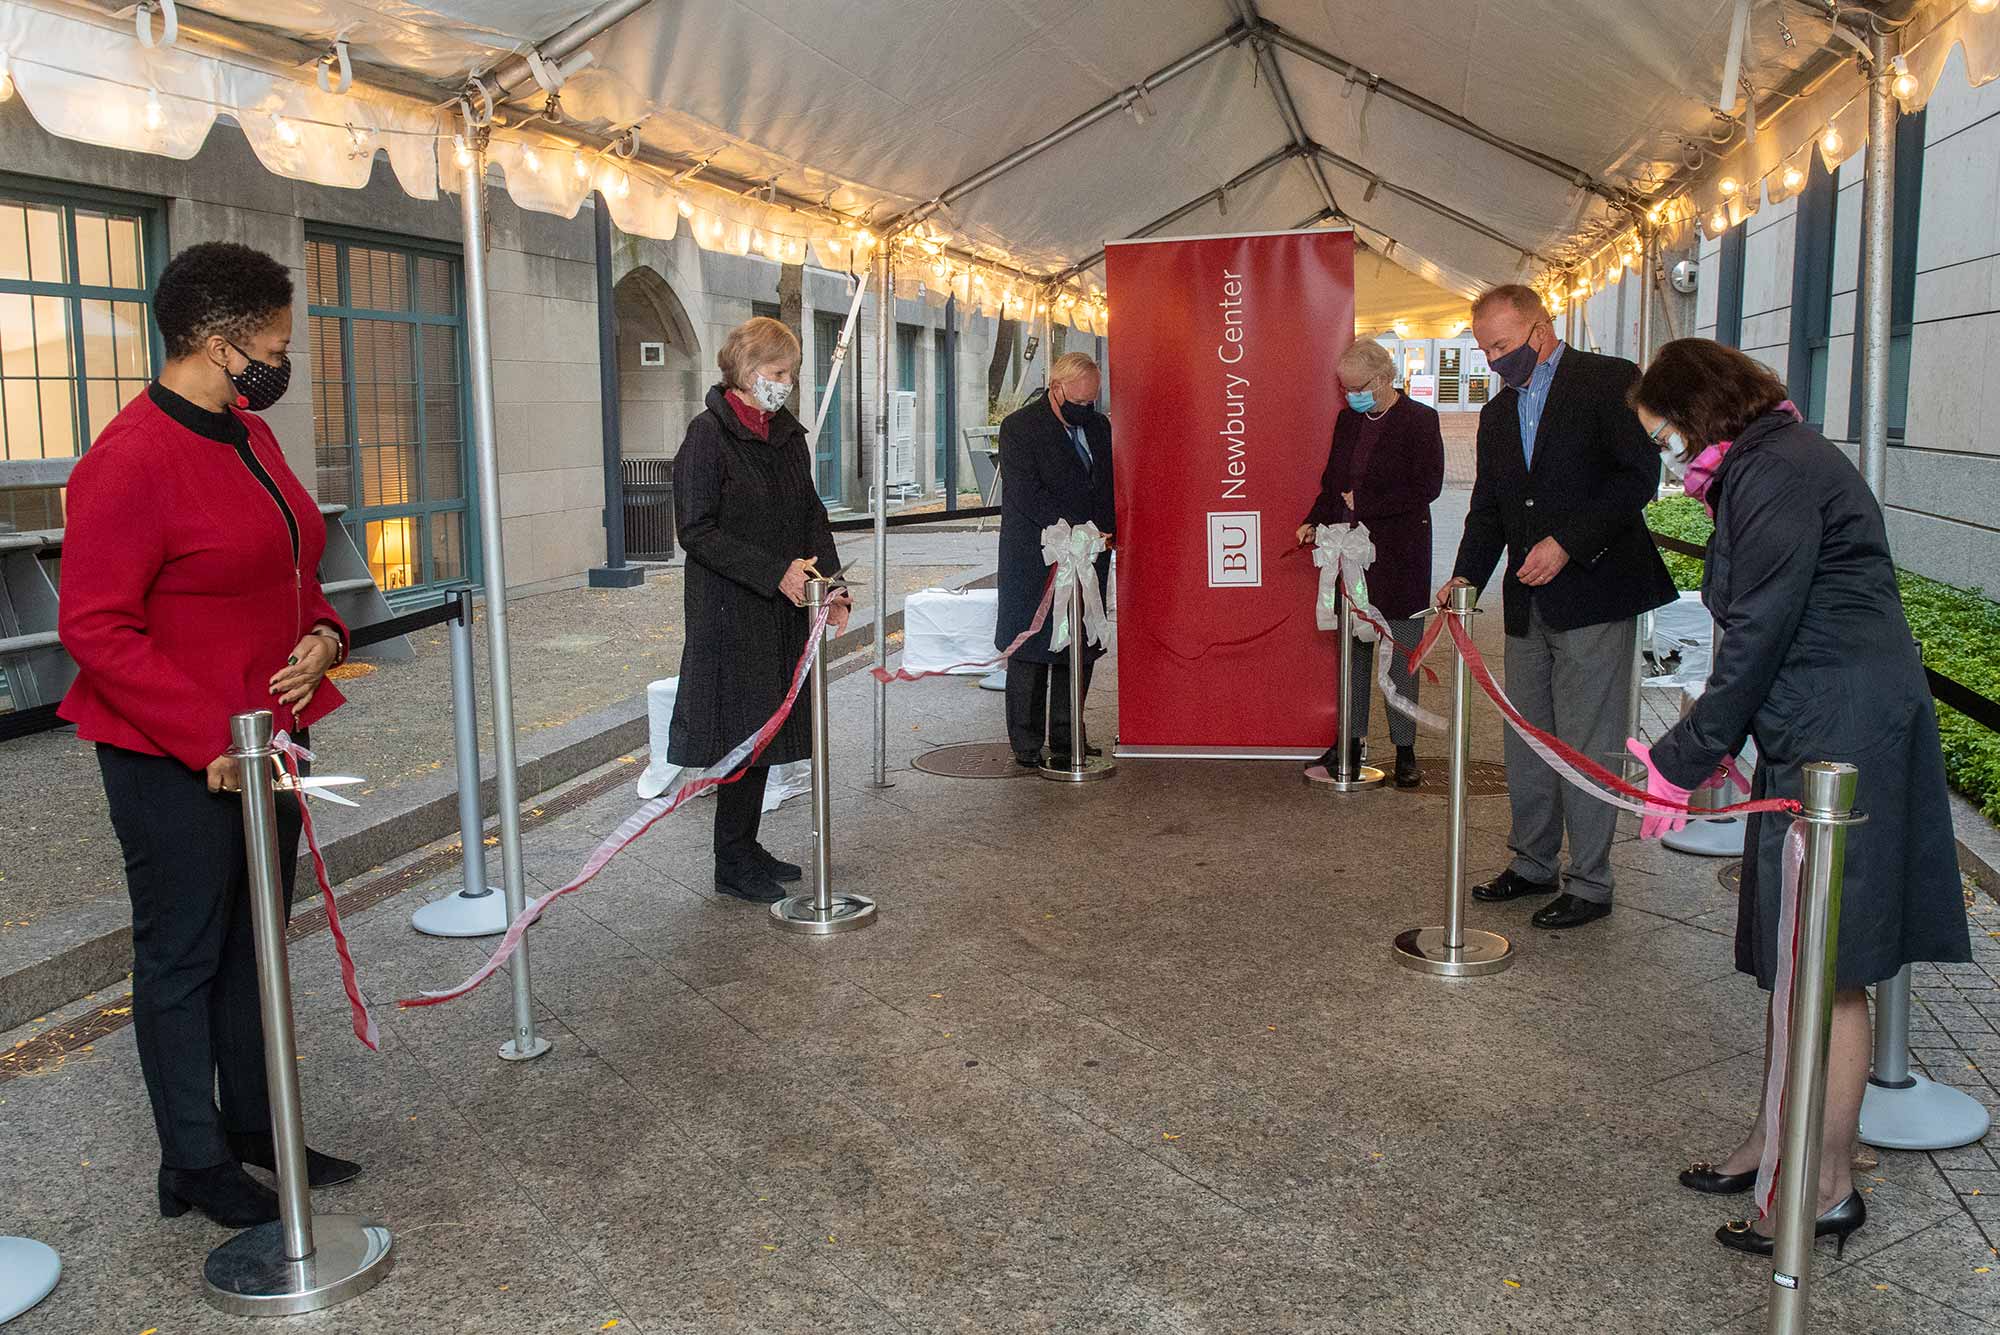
pixel 260 384
pixel 1075 413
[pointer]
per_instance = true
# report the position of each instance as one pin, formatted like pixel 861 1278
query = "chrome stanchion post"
pixel 1901 1110
pixel 1339 779
pixel 1082 767
pixel 478 909
pixel 1642 631
pixel 1829 810
pixel 296 1263
pixel 821 912
pixel 1452 950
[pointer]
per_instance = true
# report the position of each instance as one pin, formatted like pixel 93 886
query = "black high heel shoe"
pixel 322 1170
pixel 225 1193
pixel 1702 1177
pixel 1841 1220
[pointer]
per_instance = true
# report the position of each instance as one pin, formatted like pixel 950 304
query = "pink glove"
pixel 1653 826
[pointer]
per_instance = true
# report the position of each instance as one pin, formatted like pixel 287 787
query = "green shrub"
pixel 1959 630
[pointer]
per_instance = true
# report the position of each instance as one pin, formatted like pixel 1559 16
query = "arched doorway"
pixel 660 382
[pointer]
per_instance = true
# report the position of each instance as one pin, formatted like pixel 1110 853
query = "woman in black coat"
pixel 750 519
pixel 1384 470
pixel 1817 663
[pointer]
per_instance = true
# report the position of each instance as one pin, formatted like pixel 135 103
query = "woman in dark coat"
pixel 1384 470
pixel 1055 463
pixel 1817 663
pixel 751 520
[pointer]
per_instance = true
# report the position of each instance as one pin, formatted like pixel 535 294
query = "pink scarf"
pixel 1700 475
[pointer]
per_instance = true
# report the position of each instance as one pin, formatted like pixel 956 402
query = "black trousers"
pixel 194 961
pixel 739 810
pixel 1038 697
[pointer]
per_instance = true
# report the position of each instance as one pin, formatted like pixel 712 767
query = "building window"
pixel 76 329
pixel 1729 287
pixel 387 339
pixel 826 449
pixel 1906 218
pixel 1812 292
pixel 906 356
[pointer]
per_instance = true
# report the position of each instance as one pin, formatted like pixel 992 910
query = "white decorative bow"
pixel 1074 552
pixel 1336 546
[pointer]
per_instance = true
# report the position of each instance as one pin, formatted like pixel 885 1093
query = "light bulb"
pixel 1719 220
pixel 579 165
pixel 1904 84
pixel 865 239
pixel 1729 187
pixel 1829 141
pixel 156 115
pixel 531 160
pixel 461 151
pixel 1983 6
pixel 286 131
pixel 938 268
pixel 6 78
pixel 1793 178
pixel 687 209
pixel 622 186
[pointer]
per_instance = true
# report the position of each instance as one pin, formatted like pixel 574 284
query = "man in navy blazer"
pixel 1564 475
pixel 1055 463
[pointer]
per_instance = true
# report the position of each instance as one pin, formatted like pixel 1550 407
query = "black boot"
pixel 225 1193
pixel 781 872
pixel 322 1170
pixel 1407 773
pixel 748 881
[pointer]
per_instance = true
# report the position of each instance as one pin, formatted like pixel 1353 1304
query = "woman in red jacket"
pixel 189 595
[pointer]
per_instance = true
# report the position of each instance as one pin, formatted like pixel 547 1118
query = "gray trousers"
pixel 1361 681
pixel 1572 683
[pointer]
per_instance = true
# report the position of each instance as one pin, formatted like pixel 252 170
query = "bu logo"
pixel 1235 556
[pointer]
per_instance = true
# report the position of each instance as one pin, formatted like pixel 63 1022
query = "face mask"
pixel 1514 368
pixel 770 394
pixel 260 384
pixel 1075 413
pixel 1362 401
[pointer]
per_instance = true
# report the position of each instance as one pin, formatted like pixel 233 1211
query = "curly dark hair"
pixel 1706 390
pixel 218 287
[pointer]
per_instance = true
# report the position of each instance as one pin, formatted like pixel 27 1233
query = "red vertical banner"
pixel 1223 397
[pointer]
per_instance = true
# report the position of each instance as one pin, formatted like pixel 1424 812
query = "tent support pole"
pixel 1288 110
pixel 1165 220
pixel 950 373
pixel 1645 277
pixel 506 776
pixel 1445 211
pixel 1878 214
pixel 885 331
pixel 513 75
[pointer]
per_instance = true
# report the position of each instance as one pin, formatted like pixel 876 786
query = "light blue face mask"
pixel 1362 401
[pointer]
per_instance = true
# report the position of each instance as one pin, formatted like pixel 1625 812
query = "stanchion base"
pixel 849 913
pixel 1925 1116
pixel 1708 838
pixel 249 1275
pixel 1318 776
pixel 512 1051
pixel 467 913
pixel 1094 767
pixel 1423 949
pixel 28 1272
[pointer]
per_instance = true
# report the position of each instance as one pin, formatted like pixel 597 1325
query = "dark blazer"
pixel 1593 474
pixel 1393 487
pixel 746 509
pixel 1817 663
pixel 1042 479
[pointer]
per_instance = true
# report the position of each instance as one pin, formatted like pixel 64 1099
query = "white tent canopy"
pixel 1469 141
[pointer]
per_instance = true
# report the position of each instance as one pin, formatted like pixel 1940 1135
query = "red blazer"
pixel 179 597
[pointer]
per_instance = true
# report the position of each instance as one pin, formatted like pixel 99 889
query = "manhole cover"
pixel 972 760
pixel 1731 876
pixel 1483 778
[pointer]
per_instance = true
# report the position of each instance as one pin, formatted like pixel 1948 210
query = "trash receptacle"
pixel 649 508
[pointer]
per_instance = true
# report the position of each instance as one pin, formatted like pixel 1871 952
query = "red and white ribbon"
pixel 1580 770
pixel 1781 1014
pixel 290 755
pixel 1385 650
pixel 726 770
pixel 886 677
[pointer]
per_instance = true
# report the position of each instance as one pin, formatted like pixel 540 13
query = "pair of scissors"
pixel 315 785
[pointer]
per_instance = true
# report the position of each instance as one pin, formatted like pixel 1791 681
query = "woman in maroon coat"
pixel 188 595
pixel 1384 470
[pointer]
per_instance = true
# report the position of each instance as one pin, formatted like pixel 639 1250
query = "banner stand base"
pixel 1423 949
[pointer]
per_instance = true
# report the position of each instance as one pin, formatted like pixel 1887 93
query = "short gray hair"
pixel 1526 302
pixel 1069 366
pixel 1367 355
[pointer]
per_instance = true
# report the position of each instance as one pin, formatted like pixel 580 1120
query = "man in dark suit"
pixel 1055 463
pixel 1564 475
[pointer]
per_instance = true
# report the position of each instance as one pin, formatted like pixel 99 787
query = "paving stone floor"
pixel 1130 1057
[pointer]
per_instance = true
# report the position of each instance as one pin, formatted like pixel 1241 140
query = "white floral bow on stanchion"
pixel 1074 552
pixel 1335 546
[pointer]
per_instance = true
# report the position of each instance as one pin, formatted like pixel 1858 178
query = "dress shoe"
pixel 225 1193
pixel 1702 1177
pixel 1510 885
pixel 1407 773
pixel 322 1170
pixel 1329 759
pixel 749 882
pixel 1841 1220
pixel 782 872
pixel 1028 759
pixel 1568 911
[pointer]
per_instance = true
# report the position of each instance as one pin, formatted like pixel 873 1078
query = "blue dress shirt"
pixel 1532 398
